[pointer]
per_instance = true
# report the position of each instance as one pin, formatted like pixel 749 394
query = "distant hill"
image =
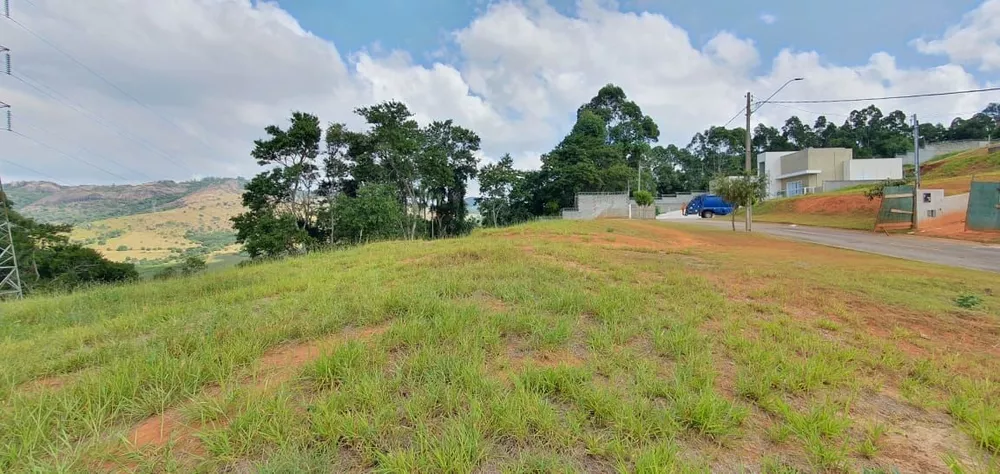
pixel 148 224
pixel 53 203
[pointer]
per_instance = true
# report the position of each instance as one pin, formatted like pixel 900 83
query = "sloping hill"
pixel 611 346
pixel 967 163
pixel 49 202
pixel 197 224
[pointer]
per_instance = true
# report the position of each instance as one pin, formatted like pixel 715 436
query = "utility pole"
pixel 916 169
pixel 749 216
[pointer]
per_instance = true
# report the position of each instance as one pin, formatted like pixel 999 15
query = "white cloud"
pixel 223 69
pixel 768 18
pixel 975 41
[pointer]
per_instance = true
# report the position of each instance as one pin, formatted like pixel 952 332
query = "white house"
pixel 873 168
pixel 769 164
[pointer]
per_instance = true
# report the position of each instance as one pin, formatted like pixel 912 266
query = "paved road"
pixel 924 249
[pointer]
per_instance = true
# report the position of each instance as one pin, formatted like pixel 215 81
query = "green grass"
pixel 549 347
pixel 855 222
pixel 961 164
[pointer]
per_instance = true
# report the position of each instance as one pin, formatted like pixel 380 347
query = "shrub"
pixel 968 300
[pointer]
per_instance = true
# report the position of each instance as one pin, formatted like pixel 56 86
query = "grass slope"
pixel 553 347
pixel 967 163
pixel 846 209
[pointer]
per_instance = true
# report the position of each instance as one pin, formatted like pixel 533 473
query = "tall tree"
pixel 447 163
pixel 496 185
pixel 281 215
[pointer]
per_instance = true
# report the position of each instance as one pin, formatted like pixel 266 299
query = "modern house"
pixel 823 169
pixel 769 164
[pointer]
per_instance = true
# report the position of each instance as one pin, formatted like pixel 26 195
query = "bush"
pixel 192 265
pixel 968 301
pixel 122 248
pixel 643 198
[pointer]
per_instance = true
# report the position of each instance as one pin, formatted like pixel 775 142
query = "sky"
pixel 128 91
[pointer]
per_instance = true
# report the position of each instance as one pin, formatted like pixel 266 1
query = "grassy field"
pixel 552 347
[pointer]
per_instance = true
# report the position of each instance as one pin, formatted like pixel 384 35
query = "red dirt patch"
pixel 952 226
pixel 849 204
pixel 156 430
pixel 278 365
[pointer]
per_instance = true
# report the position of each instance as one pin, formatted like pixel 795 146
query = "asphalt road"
pixel 923 249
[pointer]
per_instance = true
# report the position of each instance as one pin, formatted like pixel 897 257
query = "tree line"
pixel 395 180
pixel 400 180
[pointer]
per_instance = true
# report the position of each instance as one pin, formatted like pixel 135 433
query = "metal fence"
pixel 896 210
pixel 984 206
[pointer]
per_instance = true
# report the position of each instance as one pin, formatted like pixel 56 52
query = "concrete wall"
pixel 769 163
pixel 872 169
pixel 830 162
pixel 930 204
pixel 607 205
pixel 931 150
pixel 958 203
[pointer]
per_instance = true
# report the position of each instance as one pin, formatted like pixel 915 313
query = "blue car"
pixel 708 206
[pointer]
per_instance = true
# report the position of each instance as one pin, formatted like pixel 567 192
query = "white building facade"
pixel 769 164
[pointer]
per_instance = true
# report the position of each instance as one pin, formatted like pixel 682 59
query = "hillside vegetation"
pixel 198 225
pixel 53 203
pixel 558 347
pixel 153 224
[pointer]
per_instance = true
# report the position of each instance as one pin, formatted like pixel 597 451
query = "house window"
pixel 793 188
pixel 761 168
pixel 927 197
pixel 931 213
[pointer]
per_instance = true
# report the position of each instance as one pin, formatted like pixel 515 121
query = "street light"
pixel 749 133
pixel 760 104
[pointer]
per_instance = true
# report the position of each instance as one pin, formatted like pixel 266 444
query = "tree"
pixel 374 214
pixel 643 198
pixel 743 190
pixel 47 260
pixel 446 164
pixel 281 215
pixel 496 185
pixel 798 134
pixel 192 265
pixel 67 266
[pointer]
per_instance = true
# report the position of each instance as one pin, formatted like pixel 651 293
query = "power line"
pixel 91 152
pixel 909 96
pixel 740 112
pixel 50 147
pixel 111 84
pixel 65 101
pixel 30 170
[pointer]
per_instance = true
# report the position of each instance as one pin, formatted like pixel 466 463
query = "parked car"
pixel 708 206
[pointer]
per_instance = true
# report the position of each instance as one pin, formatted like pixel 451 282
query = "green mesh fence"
pixel 984 206
pixel 896 211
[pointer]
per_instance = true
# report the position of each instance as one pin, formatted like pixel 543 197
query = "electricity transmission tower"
pixel 10 277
